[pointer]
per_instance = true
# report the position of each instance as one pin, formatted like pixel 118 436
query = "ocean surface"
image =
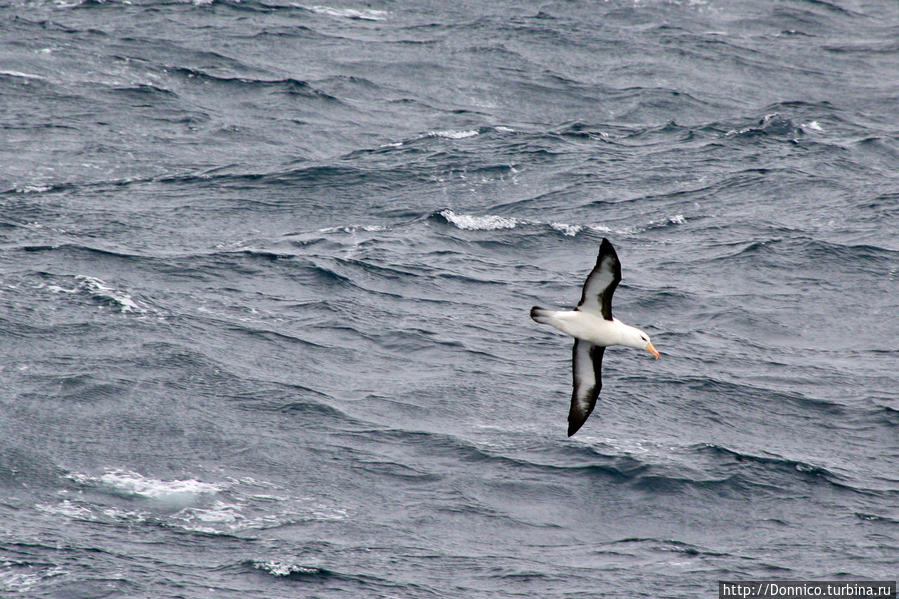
pixel 266 268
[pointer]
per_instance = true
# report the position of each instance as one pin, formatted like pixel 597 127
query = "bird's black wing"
pixel 586 366
pixel 601 282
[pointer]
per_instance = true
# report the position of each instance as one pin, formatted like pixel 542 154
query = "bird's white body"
pixel 593 328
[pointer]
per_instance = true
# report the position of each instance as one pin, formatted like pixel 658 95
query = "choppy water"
pixel 266 270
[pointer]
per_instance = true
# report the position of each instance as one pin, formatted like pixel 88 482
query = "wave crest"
pixel 470 222
pixel 494 222
pixel 364 14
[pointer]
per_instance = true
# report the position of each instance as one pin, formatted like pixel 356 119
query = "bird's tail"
pixel 540 315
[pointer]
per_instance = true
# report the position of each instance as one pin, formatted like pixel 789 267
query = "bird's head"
pixel 634 337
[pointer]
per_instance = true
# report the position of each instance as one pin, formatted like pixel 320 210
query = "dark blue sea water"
pixel 266 267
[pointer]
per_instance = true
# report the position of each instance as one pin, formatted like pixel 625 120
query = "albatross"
pixel 594 329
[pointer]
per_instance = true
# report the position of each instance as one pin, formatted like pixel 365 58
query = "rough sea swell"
pixel 265 272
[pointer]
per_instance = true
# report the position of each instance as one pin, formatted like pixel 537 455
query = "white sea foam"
pixel 186 504
pixel 21 75
pixel 453 133
pixel 34 188
pixel 322 512
pixel 218 513
pixel 59 289
pixel 19 578
pixel 66 508
pixel 677 219
pixel 249 480
pixel 365 14
pixel 813 126
pixel 222 517
pixel 114 513
pixel 128 483
pixel 492 222
pixel 572 230
pixel 354 229
pixel 100 289
pixel 79 509
pixel 279 568
pixel 470 222
pixel 569 230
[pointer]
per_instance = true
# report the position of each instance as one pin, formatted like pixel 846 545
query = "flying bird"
pixel 594 328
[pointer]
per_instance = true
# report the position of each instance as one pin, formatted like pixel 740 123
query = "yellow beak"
pixel 652 350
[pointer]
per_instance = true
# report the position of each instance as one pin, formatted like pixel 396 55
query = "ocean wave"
pixel 215 517
pixel 75 248
pixel 98 289
pixel 343 583
pixel 469 222
pixel 492 222
pixel 287 85
pixel 286 569
pixel 33 188
pixel 770 125
pixel 453 133
pixel 66 508
pixel 582 459
pixel 189 504
pixel 566 229
pixel 875 518
pixel 142 91
pixel 354 229
pixel 671 545
pixel 812 126
pixel 128 483
pixel 800 251
pixel 773 462
pixel 650 468
pixel 18 576
pixel 20 75
pixel 362 14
